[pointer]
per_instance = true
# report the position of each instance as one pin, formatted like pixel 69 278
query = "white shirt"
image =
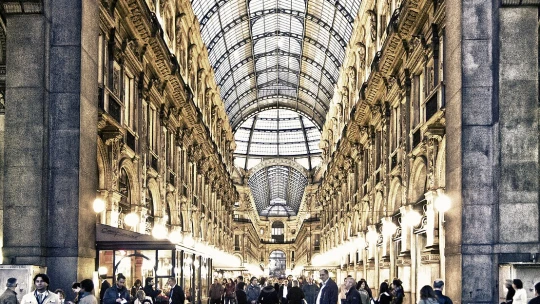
pixel 284 291
pixel 320 293
pixel 520 297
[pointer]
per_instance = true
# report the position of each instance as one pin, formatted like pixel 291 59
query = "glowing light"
pixel 102 270
pixel 372 236
pixel 175 237
pixel 131 219
pixel 189 241
pixel 99 205
pixel 159 232
pixel 443 202
pixel 389 228
pixel 412 218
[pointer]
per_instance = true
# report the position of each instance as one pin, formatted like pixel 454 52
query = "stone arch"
pixel 440 165
pixel 131 171
pixel 103 166
pixel 378 209
pixel 153 188
pixel 174 214
pixel 356 222
pixel 418 182
pixel 394 199
pixel 349 228
pixel 364 214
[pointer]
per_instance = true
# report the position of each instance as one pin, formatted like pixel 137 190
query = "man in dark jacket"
pixel 268 294
pixel 118 293
pixel 215 292
pixel 328 294
pixel 438 285
pixel 10 296
pixel 177 293
pixel 149 289
pixel 253 291
pixel 104 286
pixel 352 295
pixel 310 290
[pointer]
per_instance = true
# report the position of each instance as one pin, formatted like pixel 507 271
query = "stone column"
pixel 50 167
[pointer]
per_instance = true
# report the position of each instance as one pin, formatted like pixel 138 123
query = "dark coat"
pixel 352 296
pixel 268 295
pixel 535 300
pixel 9 297
pixel 113 293
pixel 150 292
pixel 177 295
pixel 253 292
pixel 104 286
pixel 310 292
pixel 442 298
pixel 329 293
pixel 295 295
pixel 398 295
pixel 241 297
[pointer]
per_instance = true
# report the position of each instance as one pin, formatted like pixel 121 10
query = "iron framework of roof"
pixel 276 53
pixel 277 190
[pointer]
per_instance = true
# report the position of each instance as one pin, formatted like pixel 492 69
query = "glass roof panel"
pixel 277 190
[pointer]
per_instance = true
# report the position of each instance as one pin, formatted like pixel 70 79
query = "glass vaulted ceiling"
pixel 276 53
pixel 277 133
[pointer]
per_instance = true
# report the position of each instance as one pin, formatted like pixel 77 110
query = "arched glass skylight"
pixel 276 53
pixel 277 190
pixel 277 133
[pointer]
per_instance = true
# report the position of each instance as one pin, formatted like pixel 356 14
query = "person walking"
pixel 398 291
pixel 104 286
pixel 215 292
pixel 521 295
pixel 310 291
pixel 268 295
pixel 149 289
pixel 86 296
pixel 253 291
pixel 283 291
pixel 352 296
pixel 117 293
pixel 328 294
pixel 427 296
pixel 230 289
pixel 509 293
pixel 364 295
pixel 41 295
pixel 176 296
pixel 295 294
pixel 536 300
pixel 384 295
pixel 438 286
pixel 241 297
pixel 10 295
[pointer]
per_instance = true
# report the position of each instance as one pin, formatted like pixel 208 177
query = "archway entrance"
pixel 278 263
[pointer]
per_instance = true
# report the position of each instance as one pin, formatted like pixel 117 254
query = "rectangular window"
pixel 417 99
pixel 129 94
pixel 152 128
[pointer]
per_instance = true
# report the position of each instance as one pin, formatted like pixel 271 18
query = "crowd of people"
pixel 258 291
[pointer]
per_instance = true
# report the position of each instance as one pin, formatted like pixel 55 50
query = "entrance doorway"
pixel 278 263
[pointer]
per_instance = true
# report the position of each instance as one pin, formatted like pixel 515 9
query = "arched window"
pixel 278 229
pixel 278 263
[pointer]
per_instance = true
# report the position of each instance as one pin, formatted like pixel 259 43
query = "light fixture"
pixel 159 232
pixel 131 219
pixel 442 202
pixel 102 270
pixel 388 228
pixel 412 218
pixel 189 241
pixel 99 205
pixel 175 237
pixel 372 236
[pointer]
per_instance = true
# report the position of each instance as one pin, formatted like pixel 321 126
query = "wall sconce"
pixel 159 232
pixel 131 219
pixel 388 228
pixel 412 218
pixel 175 237
pixel 442 202
pixel 98 205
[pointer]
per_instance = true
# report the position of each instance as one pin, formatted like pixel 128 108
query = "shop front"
pixel 138 256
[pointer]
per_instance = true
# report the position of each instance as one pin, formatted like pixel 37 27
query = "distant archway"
pixel 278 263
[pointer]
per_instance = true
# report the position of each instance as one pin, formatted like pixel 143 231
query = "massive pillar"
pixel 50 170
pixel 491 58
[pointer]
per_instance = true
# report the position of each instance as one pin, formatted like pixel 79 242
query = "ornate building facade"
pixel 389 139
